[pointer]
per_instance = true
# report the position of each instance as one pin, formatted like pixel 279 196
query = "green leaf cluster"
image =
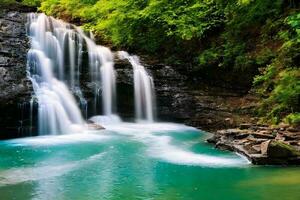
pixel 147 25
pixel 34 3
pixel 280 82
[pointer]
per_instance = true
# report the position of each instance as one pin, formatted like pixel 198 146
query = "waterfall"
pixel 54 66
pixel 103 76
pixel 58 111
pixel 143 89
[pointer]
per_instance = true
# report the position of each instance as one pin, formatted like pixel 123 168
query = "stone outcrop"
pixel 94 127
pixel 262 144
pixel 180 99
pixel 14 85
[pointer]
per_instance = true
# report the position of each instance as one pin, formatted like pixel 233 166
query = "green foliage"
pixel 293 118
pixel 266 79
pixel 264 57
pixel 284 98
pixel 280 82
pixel 294 22
pixel 34 3
pixel 147 25
pixel 210 57
pixel 245 15
pixel 237 46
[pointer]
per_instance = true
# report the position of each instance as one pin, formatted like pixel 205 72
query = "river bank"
pixel 261 144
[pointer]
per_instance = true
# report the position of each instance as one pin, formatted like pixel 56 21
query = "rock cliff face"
pixel 14 85
pixel 180 99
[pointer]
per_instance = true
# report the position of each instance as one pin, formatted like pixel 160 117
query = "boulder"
pixel 95 127
pixel 212 140
pixel 278 149
pixel 264 147
pixel 224 146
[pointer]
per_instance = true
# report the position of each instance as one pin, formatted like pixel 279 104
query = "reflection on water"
pixel 130 161
pixel 280 177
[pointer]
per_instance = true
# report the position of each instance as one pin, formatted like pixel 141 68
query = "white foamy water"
pixel 61 139
pixel 160 146
pixel 105 120
pixel 24 174
pixel 58 111
pixel 54 67
pixel 144 95
pixel 103 75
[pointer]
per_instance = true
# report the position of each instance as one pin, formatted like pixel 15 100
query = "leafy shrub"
pixel 293 118
pixel 280 83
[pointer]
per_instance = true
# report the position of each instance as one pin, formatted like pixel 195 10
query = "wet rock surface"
pixel 262 145
pixel 14 85
pixel 174 102
pixel 180 99
pixel 93 126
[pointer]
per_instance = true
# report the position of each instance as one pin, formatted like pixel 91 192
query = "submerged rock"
pixel 93 126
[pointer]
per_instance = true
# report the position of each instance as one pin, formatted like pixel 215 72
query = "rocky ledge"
pixel 15 87
pixel 261 144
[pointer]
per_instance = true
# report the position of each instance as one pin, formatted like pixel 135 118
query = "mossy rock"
pixel 277 149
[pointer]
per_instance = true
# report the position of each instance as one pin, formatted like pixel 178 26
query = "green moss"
pixel 293 118
pixel 279 149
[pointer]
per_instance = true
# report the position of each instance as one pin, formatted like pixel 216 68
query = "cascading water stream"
pixel 55 61
pixel 54 67
pixel 58 111
pixel 143 89
pixel 103 76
